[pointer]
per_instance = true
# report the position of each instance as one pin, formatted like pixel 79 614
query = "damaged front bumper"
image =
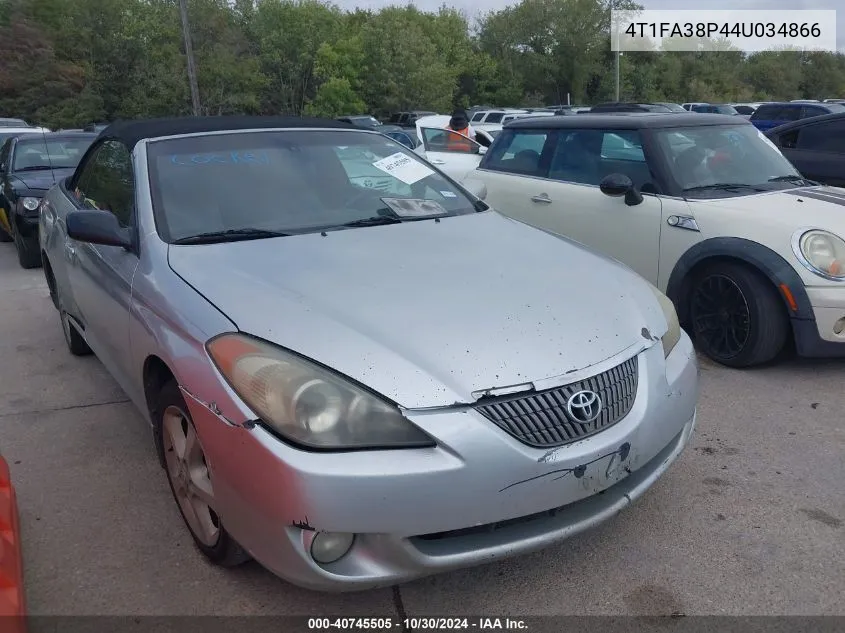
pixel 478 496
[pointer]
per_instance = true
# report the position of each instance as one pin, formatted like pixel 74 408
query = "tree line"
pixel 64 63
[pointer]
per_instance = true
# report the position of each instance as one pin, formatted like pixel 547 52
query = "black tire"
pixel 736 316
pixel 29 255
pixel 225 552
pixel 75 343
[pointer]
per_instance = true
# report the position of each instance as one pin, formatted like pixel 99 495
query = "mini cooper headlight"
pixel 306 403
pixel 821 252
pixel 673 333
pixel 29 203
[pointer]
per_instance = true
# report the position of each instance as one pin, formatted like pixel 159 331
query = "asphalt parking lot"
pixel 751 520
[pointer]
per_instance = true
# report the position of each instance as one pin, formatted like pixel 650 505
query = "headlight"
pixel 30 204
pixel 673 334
pixel 306 403
pixel 821 252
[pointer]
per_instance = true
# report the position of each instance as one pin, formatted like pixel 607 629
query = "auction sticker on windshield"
pixel 403 167
pixel 414 208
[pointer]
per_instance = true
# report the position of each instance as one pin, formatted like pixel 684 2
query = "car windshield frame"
pixel 319 159
pixel 768 159
pixel 53 160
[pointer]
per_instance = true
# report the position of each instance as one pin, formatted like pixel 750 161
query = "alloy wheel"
pixel 188 474
pixel 720 316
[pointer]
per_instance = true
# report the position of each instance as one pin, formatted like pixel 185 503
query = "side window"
pixel 789 140
pixel 588 156
pixel 766 113
pixel 823 137
pixel 106 182
pixel 440 140
pixel 517 152
pixel 494 117
pixel 808 111
pixel 791 113
pixel 4 155
pixel 477 117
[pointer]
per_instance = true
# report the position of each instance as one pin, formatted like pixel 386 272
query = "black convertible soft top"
pixel 131 131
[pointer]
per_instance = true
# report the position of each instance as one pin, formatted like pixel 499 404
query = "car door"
pixel 5 205
pixel 557 189
pixel 101 276
pixel 452 153
pixel 817 150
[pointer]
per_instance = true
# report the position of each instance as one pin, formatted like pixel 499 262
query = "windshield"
pixel 702 158
pixel 674 107
pixel 291 182
pixel 32 154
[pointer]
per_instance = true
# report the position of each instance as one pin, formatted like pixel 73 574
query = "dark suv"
pixel 771 115
pixel 605 108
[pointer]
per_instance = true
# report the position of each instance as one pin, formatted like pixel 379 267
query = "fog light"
pixel 839 326
pixel 327 547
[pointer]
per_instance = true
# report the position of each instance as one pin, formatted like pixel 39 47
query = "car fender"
pixel 765 260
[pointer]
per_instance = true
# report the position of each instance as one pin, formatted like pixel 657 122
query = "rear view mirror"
pixel 476 188
pixel 97 227
pixel 617 185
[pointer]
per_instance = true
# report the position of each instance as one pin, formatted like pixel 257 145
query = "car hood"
pixel 431 313
pixel 40 179
pixel 820 206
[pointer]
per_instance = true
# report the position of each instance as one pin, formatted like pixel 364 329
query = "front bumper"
pixel 818 337
pixel 480 495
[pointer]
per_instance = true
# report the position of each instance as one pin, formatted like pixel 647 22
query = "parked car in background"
pixel 343 421
pixel 399 134
pixel 701 205
pixel 815 146
pixel 604 108
pixel 366 121
pixel 96 127
pixel 29 165
pixel 452 153
pixel 771 115
pixel 7 122
pixel 714 108
pixel 408 120
pixel 674 107
pixel 834 101
pixel 10 132
pixel 486 117
pixel 688 106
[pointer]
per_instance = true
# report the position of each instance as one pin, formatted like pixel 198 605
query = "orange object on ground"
pixel 12 605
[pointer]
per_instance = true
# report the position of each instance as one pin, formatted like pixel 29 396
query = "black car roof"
pixel 130 132
pixel 835 116
pixel 627 121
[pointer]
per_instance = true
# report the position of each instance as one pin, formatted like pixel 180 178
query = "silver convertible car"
pixel 355 371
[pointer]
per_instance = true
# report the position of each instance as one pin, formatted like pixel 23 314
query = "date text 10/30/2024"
pixel 416 624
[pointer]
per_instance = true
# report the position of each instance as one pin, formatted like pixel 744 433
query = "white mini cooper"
pixel 703 206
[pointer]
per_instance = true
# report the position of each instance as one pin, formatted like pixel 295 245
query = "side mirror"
pixel 97 227
pixel 616 185
pixel 476 188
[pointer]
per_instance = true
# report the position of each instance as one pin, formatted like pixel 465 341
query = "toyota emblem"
pixel 584 406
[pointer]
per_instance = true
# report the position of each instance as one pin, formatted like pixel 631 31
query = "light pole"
pixel 618 56
pixel 189 53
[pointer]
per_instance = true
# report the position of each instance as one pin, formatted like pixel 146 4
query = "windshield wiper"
pixel 374 221
pixel 723 186
pixel 230 235
pixel 34 168
pixel 796 179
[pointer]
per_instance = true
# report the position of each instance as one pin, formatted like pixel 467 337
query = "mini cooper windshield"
pixel 254 185
pixel 711 161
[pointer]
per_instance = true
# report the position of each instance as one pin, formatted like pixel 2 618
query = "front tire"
pixel 736 316
pixel 29 255
pixel 190 481
pixel 75 343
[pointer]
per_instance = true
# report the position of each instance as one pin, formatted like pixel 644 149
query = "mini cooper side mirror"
pixel 97 227
pixel 616 185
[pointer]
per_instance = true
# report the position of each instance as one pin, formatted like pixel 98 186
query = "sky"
pixel 482 6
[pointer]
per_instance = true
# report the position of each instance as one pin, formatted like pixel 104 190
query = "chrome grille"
pixel 541 419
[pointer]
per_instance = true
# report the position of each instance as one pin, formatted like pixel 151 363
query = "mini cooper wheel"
pixel 190 481
pixel 75 343
pixel 736 316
